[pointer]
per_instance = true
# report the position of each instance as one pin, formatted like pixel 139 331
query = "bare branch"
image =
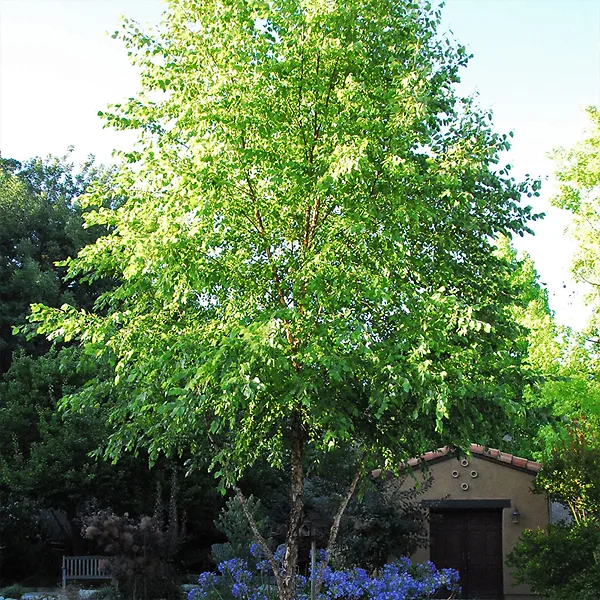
pixel 262 232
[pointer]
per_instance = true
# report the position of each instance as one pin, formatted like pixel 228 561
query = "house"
pixel 478 506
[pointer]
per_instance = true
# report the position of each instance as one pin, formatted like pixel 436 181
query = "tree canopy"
pixel 304 254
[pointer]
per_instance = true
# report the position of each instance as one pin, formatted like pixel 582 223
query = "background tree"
pixel 578 174
pixel 45 462
pixel 563 361
pixel 572 475
pixel 305 249
pixel 563 561
pixel 40 223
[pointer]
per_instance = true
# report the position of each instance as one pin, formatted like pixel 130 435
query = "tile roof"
pixel 475 449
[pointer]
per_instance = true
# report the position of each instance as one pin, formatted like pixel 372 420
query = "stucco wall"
pixel 494 481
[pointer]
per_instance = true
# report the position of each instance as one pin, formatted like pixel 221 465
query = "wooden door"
pixel 470 541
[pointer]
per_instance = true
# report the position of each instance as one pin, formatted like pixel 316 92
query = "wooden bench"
pixel 84 567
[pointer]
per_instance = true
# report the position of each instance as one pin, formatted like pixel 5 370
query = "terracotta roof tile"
pixel 519 462
pixel 502 457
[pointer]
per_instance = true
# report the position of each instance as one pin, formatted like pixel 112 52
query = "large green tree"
pixel 305 249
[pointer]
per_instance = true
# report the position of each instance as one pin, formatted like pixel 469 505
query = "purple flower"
pixel 236 567
pixel 256 550
pixel 239 590
pixel 264 566
pixel 206 581
pixel 399 580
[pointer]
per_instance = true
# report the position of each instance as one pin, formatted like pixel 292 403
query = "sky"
pixel 536 63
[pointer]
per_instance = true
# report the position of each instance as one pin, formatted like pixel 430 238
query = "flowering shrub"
pixel 399 580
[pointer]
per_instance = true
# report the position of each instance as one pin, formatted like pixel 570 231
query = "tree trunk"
pixel 335 526
pixel 290 561
pixel 260 539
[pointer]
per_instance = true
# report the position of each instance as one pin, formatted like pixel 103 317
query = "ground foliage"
pixel 304 252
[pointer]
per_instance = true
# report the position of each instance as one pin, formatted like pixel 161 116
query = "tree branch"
pixel 262 232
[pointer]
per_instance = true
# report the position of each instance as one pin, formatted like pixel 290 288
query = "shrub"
pixel 233 523
pixel 13 591
pixel 140 553
pixel 561 562
pixel 387 522
pixel 108 592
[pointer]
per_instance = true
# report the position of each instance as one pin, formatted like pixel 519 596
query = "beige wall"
pixel 494 481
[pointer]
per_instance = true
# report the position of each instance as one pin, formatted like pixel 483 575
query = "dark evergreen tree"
pixel 40 224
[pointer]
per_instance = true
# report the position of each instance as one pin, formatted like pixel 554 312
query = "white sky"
pixel 537 64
